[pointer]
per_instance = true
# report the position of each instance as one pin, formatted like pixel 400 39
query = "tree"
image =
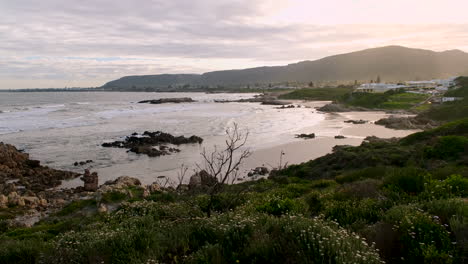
pixel 224 164
pixel 311 85
pixel 378 79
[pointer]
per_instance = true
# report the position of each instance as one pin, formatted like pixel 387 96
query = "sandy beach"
pixel 305 150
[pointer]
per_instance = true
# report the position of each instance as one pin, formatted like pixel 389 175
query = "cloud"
pixel 90 42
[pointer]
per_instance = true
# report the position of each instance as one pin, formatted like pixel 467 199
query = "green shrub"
pixel 113 196
pixel 22 251
pixel 353 212
pixel 408 179
pixel 368 188
pixel 371 172
pixel 423 238
pixel 278 206
pixel 314 202
pixel 458 185
pixel 447 147
pixel 76 206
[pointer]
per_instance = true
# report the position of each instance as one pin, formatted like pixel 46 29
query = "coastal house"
pixel 450 99
pixel 378 87
pixel 421 84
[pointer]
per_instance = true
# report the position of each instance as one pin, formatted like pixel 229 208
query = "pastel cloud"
pixel 52 43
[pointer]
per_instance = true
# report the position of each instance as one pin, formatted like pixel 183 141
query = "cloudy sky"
pixel 58 43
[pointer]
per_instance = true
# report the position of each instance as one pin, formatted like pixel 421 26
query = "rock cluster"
pixel 262 171
pixel 21 174
pixel 407 123
pixel 202 180
pixel 306 136
pixel 81 163
pixel 333 107
pixel 90 180
pixel 356 122
pixel 148 141
pixel 168 100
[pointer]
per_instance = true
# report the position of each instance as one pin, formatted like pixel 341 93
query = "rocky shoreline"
pixel 153 144
pixel 168 100
pixel 416 122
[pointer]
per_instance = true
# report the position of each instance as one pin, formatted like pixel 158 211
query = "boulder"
pixel 123 181
pixel 168 100
pixel 202 179
pixel 14 199
pixel 3 201
pixel 154 187
pixel 340 137
pixel 90 180
pixel 258 171
pixel 306 136
pixel 32 201
pixel 102 208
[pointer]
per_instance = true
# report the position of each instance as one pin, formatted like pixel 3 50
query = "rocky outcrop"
pixel 264 100
pixel 168 100
pixel 356 122
pixel 333 107
pixel 90 180
pixel 123 182
pixel 407 123
pixel 262 171
pixel 202 180
pixel 306 136
pixel 27 174
pixel 153 144
pixel 81 163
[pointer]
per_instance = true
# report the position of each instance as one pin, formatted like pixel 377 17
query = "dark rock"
pixel 258 171
pixel 146 143
pixel 15 165
pixel 33 163
pixel 81 163
pixel 407 123
pixel 339 137
pixel 306 136
pixel 90 180
pixel 168 100
pixel 333 107
pixel 202 179
pixel 356 122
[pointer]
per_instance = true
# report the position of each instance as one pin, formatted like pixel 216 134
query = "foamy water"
pixel 61 128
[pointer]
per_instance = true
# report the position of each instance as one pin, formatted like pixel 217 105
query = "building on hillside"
pixel 450 99
pixel 446 83
pixel 378 87
pixel 421 84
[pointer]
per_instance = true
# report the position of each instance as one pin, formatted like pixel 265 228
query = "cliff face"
pixel 392 63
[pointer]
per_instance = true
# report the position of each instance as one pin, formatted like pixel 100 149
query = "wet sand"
pixel 308 149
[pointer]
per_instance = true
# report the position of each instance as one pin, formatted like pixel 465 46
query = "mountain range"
pixel 391 63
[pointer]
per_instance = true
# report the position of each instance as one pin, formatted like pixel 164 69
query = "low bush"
pixel 409 179
pixel 423 238
pixel 447 147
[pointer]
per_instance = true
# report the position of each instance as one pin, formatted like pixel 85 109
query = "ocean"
pixel 59 128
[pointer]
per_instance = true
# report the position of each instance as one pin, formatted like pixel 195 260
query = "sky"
pixel 86 43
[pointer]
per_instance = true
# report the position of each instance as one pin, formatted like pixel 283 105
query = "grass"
pixel 391 100
pixel 319 94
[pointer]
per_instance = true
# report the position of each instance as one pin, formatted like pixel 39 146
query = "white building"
pixel 421 84
pixel 378 87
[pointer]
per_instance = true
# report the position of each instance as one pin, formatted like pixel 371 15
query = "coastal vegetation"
pixel 318 94
pixel 398 201
pixel 387 200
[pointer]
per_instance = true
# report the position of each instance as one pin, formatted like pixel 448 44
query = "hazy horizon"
pixel 53 44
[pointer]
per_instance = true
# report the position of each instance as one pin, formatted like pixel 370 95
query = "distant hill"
pixel 391 63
